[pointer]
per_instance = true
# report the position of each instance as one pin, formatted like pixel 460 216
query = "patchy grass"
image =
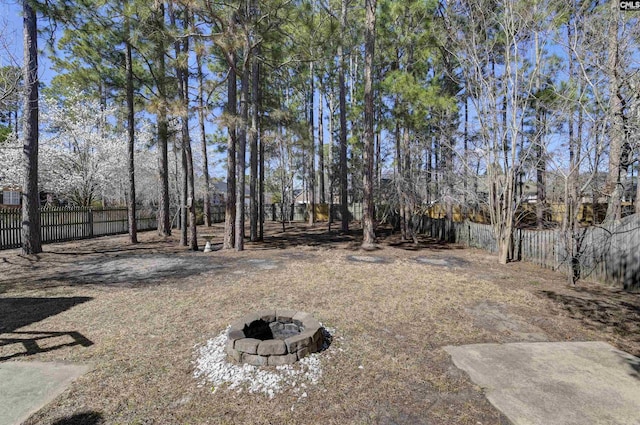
pixel 140 315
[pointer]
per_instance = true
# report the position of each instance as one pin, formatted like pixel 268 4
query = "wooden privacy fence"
pixel 65 224
pixel 299 212
pixel 217 213
pixel 606 253
pixel 292 212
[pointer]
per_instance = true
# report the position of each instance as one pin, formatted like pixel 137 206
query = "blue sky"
pixel 11 32
pixel 11 50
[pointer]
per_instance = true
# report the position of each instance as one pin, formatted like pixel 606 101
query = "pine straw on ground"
pixel 138 313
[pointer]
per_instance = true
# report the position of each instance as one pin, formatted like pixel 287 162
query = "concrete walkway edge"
pixel 559 383
pixel 25 387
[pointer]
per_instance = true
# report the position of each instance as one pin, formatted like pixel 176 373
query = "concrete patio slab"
pixel 25 387
pixel 559 383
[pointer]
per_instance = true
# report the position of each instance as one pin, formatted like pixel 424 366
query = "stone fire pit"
pixel 274 337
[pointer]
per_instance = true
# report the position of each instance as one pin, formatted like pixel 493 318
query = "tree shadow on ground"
pixel 84 418
pixel 35 342
pixel 314 236
pixel 300 234
pixel 111 245
pixel 604 309
pixel 634 364
pixel 123 250
pixel 424 243
pixel 18 312
pixel 124 269
pixel 390 237
pixel 138 270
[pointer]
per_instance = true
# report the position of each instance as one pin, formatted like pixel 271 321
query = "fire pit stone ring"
pixel 273 337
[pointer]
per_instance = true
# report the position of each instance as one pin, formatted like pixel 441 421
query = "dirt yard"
pixel 142 315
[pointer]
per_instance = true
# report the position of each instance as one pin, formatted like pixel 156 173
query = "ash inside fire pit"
pixel 274 338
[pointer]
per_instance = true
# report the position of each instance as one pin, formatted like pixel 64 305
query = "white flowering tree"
pixel 146 166
pixel 83 154
pixel 11 162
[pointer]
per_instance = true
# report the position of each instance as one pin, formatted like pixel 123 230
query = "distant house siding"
pixel 9 198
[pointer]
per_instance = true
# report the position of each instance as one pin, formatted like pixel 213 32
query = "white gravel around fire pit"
pixel 212 368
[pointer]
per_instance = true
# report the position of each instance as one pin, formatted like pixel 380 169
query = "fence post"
pixel 90 213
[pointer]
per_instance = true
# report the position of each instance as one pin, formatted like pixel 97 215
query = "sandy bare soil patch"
pixel 140 315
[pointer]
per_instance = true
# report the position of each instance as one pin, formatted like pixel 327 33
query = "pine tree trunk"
pixel 538 137
pixel 164 220
pixel 186 145
pixel 184 214
pixel 31 240
pixel 465 176
pixel 447 170
pixel 368 231
pixel 572 202
pixel 400 184
pixel 321 173
pixel 615 119
pixel 637 206
pixel 312 152
pixel 540 176
pixel 409 194
pixel 253 152
pixel 261 205
pixel 131 130
pixel 378 159
pixel 344 207
pixel 261 162
pixel 184 129
pixel 203 140
pixel 241 153
pixel 331 174
pixel 230 201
